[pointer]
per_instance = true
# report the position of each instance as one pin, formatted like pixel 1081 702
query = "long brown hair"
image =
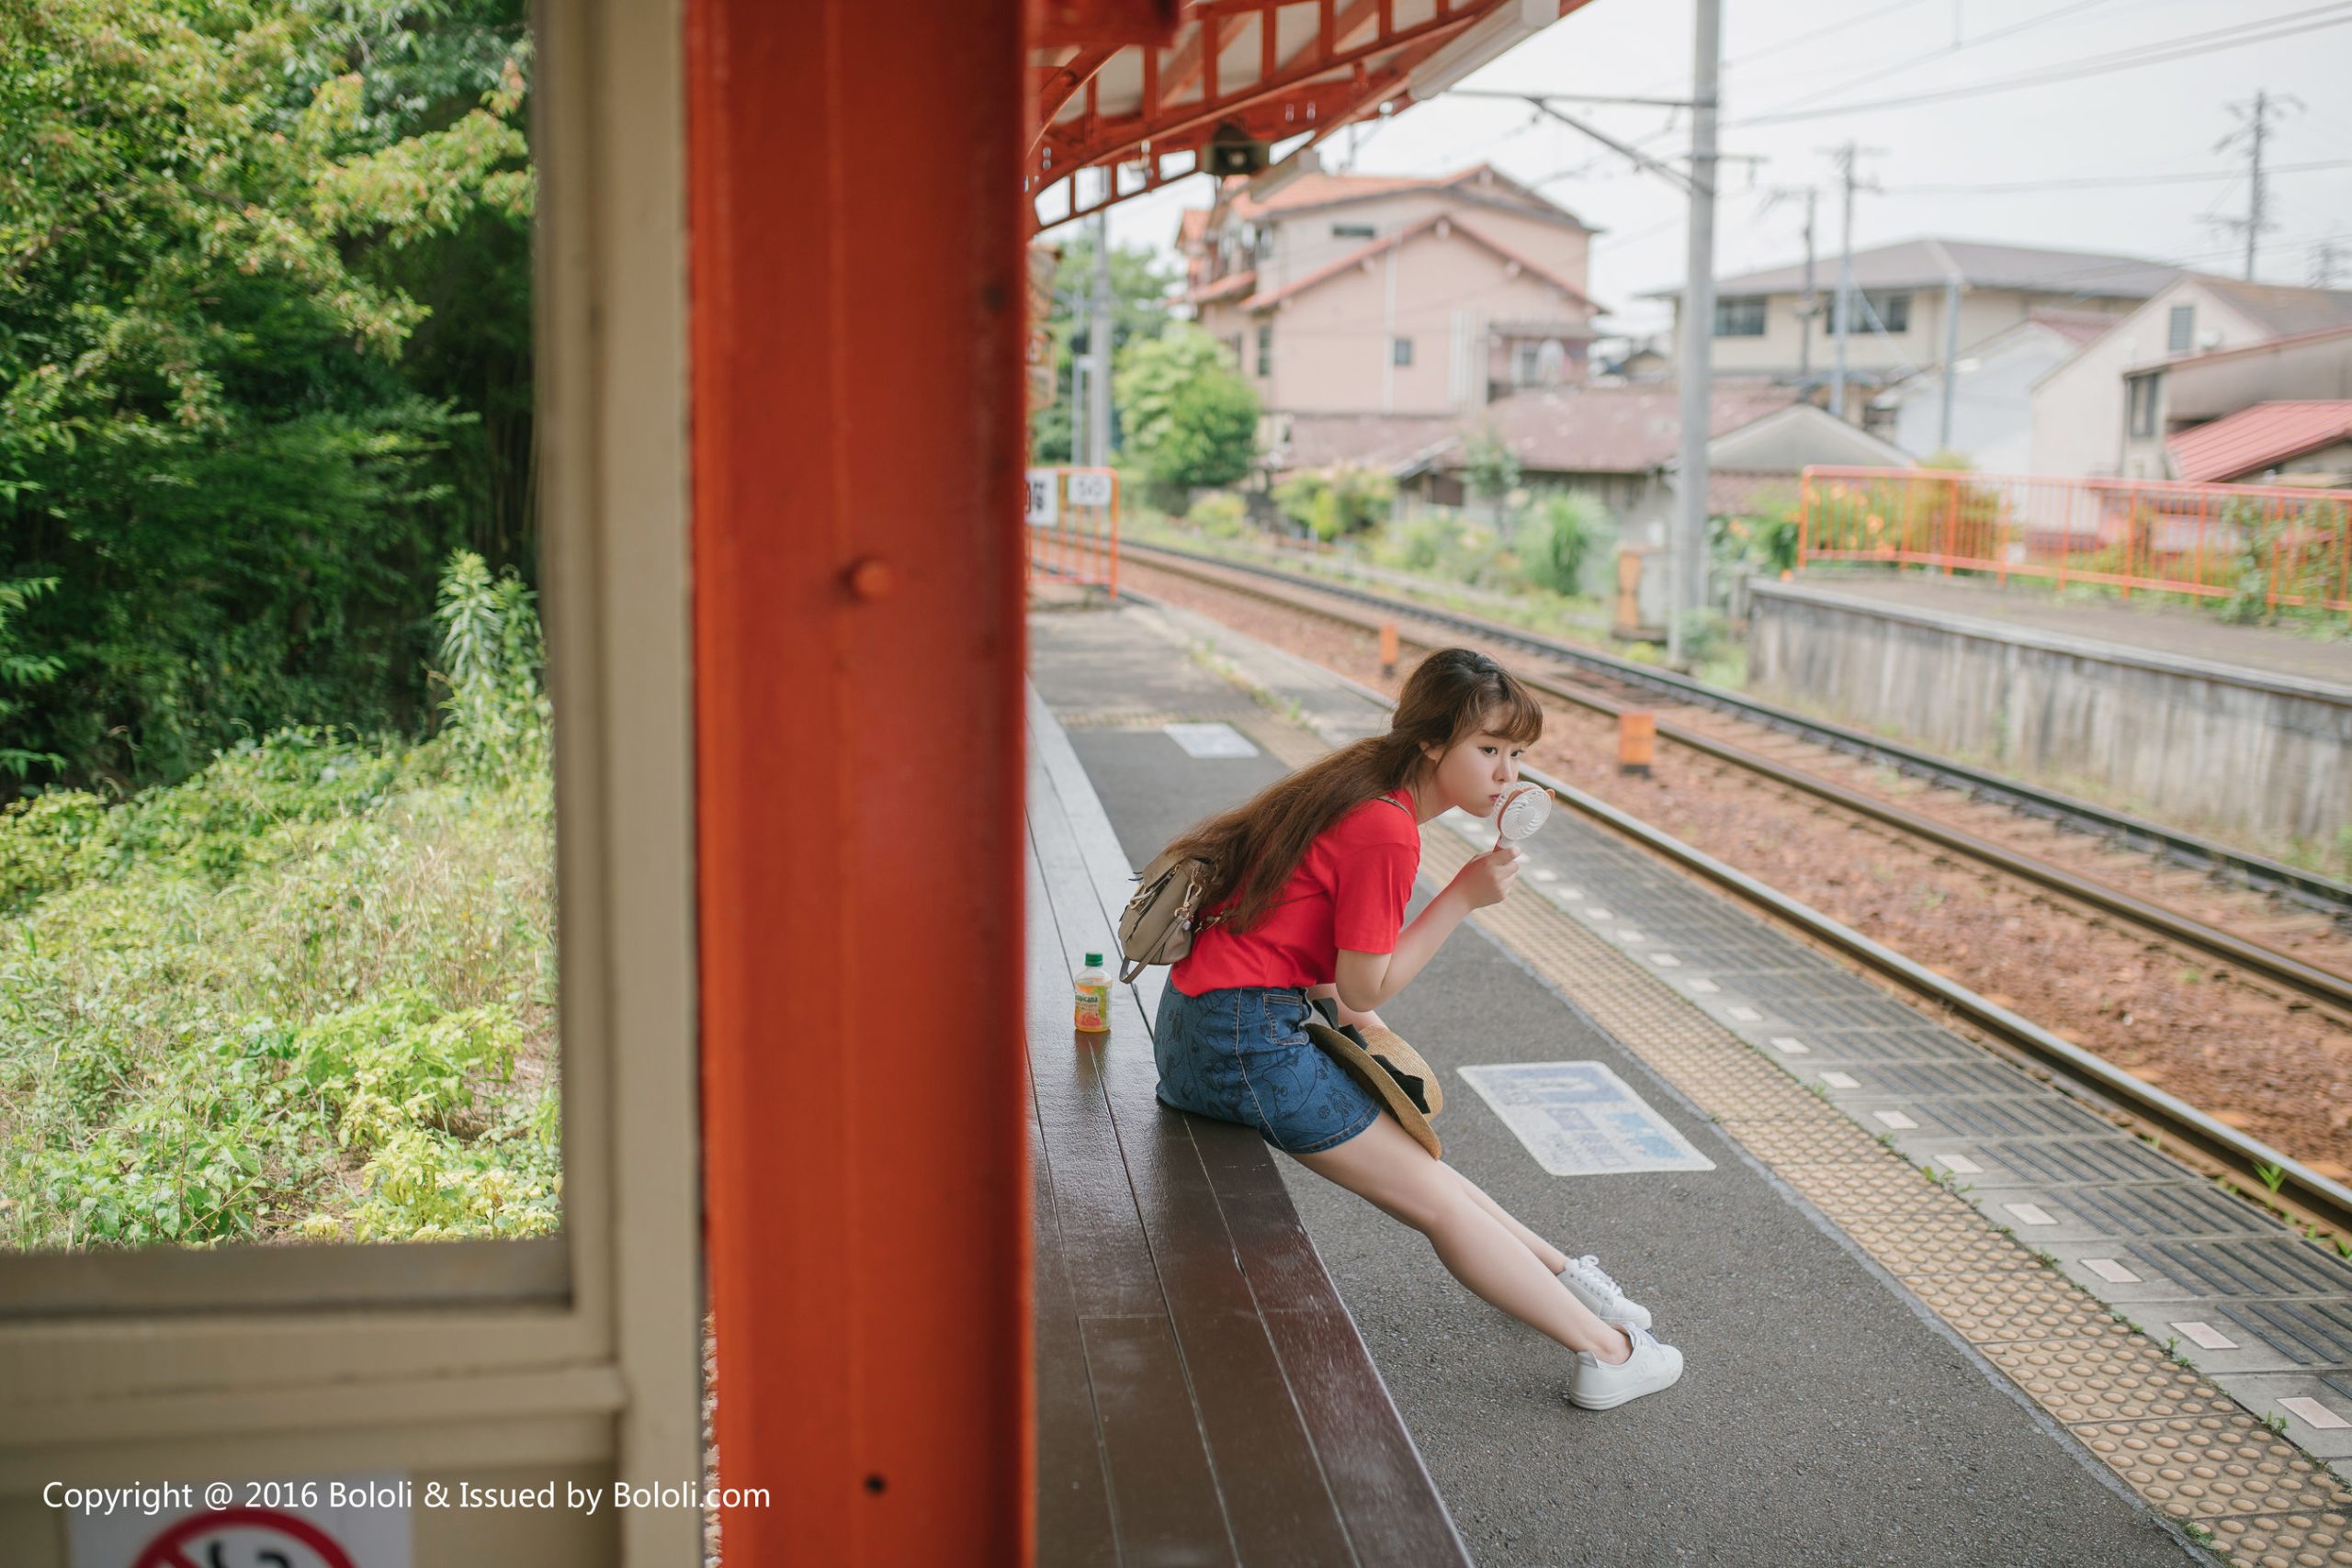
pixel 1255 847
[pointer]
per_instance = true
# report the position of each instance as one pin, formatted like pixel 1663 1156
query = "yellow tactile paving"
pixel 2167 1432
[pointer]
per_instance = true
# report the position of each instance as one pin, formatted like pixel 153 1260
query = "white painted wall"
pixel 1992 421
pixel 2078 408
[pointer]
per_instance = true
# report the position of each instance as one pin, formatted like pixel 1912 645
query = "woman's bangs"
pixel 1515 714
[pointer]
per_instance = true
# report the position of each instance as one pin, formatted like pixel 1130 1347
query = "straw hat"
pixel 1392 1070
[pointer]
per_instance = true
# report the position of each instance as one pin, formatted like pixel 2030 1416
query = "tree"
pixel 1492 468
pixel 206 437
pixel 1190 417
pixel 1138 311
pixel 1566 526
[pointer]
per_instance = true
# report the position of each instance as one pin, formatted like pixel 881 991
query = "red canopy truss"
pixel 1137 88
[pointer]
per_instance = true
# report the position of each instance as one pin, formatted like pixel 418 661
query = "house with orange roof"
pixel 1401 297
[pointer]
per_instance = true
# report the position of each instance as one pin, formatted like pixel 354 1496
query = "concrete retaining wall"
pixel 2200 745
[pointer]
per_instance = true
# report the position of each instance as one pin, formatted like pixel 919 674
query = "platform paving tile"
pixel 1678 1240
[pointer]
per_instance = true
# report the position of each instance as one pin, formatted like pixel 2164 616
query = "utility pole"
pixel 1098 343
pixel 1688 577
pixel 2253 132
pixel 1809 306
pixel 2324 258
pixel 1845 157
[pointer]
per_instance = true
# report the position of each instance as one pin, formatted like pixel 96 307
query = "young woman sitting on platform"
pixel 1313 877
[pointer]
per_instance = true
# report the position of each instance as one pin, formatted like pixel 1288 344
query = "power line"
pixel 2101 182
pixel 2330 15
pixel 1946 52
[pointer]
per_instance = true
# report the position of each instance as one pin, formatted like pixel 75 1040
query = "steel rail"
pixel 2308 889
pixel 2278 969
pixel 2074 1071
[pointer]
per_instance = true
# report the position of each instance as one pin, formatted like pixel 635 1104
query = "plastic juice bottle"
pixel 1093 997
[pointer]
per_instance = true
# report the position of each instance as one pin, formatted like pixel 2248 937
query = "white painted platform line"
pixel 1790 1045
pixel 1597 914
pixel 1895 1119
pixel 1665 961
pixel 1705 987
pixel 2206 1336
pixel 1210 739
pixel 1581 1118
pixel 2029 1214
pixel 1960 1164
pixel 2108 1269
pixel 2313 1414
pixel 1841 1080
pixel 1748 1015
pixel 1542 873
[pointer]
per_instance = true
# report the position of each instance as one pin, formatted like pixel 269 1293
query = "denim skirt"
pixel 1242 1054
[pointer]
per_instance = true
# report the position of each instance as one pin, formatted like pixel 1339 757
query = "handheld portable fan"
pixel 1524 810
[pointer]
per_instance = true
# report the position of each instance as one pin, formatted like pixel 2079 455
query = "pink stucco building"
pixel 1361 295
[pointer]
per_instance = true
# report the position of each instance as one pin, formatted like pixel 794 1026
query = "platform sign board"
pixel 1090 488
pixel 346 1522
pixel 1581 1118
pixel 1044 496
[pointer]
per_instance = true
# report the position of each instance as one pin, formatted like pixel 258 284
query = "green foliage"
pixel 1190 420
pixel 1331 503
pixel 1220 514
pixel 20 671
pixel 1490 466
pixel 1440 542
pixel 309 991
pixel 213 216
pixel 1566 525
pixel 1138 311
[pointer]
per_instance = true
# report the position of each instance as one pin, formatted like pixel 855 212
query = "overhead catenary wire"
pixel 2336 14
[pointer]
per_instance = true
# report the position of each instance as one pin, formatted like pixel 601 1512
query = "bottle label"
pixel 1095 1009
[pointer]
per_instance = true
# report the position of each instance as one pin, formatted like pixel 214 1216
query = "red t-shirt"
pixel 1349 891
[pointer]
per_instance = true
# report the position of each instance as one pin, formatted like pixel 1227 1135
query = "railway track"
pixel 2291 884
pixel 1594 684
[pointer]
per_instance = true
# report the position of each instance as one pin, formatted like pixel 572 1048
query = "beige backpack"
pixel 1158 925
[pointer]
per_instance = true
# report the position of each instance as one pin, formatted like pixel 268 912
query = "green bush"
pixel 308 992
pixel 1334 503
pixel 1566 525
pixel 1220 514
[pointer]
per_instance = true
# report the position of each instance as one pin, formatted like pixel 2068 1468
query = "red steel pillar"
pixel 857 282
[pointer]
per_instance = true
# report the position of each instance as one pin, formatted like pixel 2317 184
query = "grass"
pixel 307 993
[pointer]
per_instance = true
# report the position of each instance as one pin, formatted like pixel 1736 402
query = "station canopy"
pixel 1131 94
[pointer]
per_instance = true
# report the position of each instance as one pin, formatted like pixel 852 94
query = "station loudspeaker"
pixel 1233 151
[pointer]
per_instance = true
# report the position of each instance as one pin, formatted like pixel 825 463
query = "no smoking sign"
pixel 246 1536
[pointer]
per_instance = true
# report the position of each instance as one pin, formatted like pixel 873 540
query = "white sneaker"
pixel 1597 1385
pixel 1601 1294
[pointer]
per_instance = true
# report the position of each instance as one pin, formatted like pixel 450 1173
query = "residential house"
pixel 1350 296
pixel 2199 349
pixel 1621 443
pixel 1991 385
pixel 2279 443
pixel 1776 325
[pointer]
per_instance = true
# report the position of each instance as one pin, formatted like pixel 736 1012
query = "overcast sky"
pixel 2127 134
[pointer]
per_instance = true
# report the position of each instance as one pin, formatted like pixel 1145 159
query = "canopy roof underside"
pixel 1267 69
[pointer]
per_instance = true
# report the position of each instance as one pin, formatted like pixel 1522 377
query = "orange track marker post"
pixel 1388 649
pixel 1637 742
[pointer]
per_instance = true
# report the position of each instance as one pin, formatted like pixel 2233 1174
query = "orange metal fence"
pixel 1073 516
pixel 2244 542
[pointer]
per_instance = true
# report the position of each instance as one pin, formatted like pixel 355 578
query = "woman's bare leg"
pixel 1550 1256
pixel 1383 1166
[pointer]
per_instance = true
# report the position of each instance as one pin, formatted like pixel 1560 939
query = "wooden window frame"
pixel 582 1348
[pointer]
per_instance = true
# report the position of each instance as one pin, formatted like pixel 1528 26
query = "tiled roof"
pixel 2281 310
pixel 1317 188
pixel 1363 440
pixel 1616 430
pixel 2257 438
pixel 2077 327
pixel 1927 263
pixel 1231 285
pixel 1371 248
